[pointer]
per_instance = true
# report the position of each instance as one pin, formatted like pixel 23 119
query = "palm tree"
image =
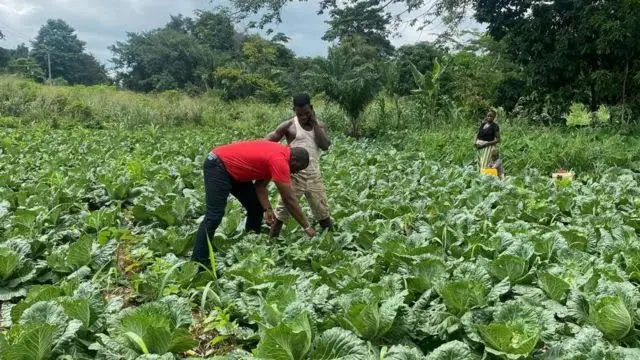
pixel 349 77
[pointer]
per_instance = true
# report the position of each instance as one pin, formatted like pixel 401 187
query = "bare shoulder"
pixel 284 126
pixel 280 131
pixel 288 130
pixel 286 123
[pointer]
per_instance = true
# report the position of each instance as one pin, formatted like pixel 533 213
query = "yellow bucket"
pixel 490 171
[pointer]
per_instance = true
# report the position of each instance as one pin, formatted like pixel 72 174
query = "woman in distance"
pixel 487 139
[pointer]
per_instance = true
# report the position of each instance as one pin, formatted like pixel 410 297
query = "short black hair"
pixel 301 100
pixel 301 157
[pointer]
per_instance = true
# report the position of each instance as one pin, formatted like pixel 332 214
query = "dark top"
pixel 488 134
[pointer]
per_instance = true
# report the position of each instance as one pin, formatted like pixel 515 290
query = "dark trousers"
pixel 218 184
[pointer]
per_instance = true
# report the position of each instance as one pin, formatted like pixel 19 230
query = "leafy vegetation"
pixel 402 123
pixel 427 262
pixel 101 191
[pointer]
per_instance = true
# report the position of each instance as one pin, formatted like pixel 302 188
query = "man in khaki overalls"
pixel 305 131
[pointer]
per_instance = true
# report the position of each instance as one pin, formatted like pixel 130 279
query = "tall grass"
pixel 526 147
pixel 400 122
pixel 24 103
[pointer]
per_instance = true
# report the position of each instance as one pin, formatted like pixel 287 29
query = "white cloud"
pixel 15 8
pixel 100 23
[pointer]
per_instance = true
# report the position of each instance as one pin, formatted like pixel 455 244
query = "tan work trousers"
pixel 309 184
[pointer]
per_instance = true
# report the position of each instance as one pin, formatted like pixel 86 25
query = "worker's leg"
pixel 246 193
pixel 281 213
pixel 317 198
pixel 217 186
pixel 326 223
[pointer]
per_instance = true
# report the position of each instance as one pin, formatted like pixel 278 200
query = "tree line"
pixel 536 57
pixel 58 48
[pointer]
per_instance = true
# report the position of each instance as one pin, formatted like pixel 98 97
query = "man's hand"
pixel 269 217
pixel 322 140
pixel 311 232
pixel 313 120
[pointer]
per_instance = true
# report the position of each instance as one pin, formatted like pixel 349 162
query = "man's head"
pixel 299 159
pixel 491 115
pixel 303 108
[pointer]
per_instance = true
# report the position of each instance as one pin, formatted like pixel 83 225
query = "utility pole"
pixel 49 61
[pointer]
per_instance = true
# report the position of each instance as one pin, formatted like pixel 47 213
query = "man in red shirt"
pixel 232 169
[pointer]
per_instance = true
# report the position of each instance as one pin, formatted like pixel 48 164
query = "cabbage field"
pixel 428 261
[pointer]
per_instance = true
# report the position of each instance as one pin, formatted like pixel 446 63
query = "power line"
pixel 8 30
pixel 9 34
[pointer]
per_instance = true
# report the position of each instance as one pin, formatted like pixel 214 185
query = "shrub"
pixel 578 115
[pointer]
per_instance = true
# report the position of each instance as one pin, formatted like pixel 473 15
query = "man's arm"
pixel 288 195
pixel 279 132
pixel 322 140
pixel 263 195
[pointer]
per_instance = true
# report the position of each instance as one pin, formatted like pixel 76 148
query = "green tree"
pixel 366 19
pixel 262 54
pixel 259 53
pixel 89 70
pixel 271 10
pixel 57 40
pixel 582 50
pixel 434 105
pixel 261 72
pixel 239 83
pixel 351 77
pixel 161 59
pixel 21 51
pixel 422 56
pixel 293 78
pixel 215 30
pixel 26 67
pixel 479 75
pixel 425 11
pixel 181 23
pixel 6 55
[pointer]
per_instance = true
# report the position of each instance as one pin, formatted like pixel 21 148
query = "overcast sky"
pixel 101 25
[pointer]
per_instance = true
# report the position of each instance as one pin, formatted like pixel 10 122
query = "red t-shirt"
pixel 256 160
